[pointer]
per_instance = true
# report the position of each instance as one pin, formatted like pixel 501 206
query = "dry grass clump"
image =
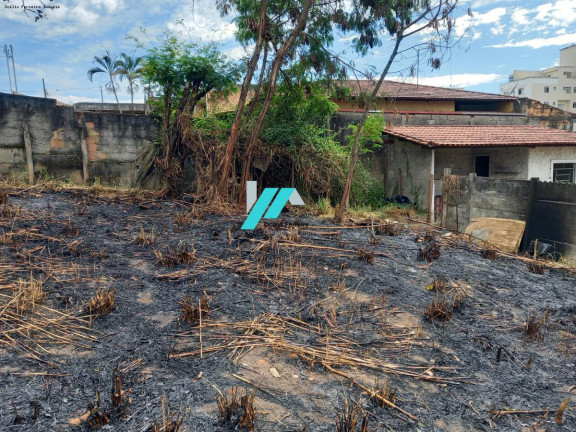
pixel 101 303
pixel 352 418
pixel 193 311
pixel 171 421
pixel 184 253
pixel 534 325
pixel 100 415
pixel 452 295
pixel 8 211
pixel 71 229
pixel 389 229
pixel 7 237
pixel 28 294
pixel 366 255
pixel 439 309
pixel 237 412
pixel 488 253
pixel 183 218
pixel 380 392
pixel 430 252
pixel 3 197
pixel 534 267
pixel 146 238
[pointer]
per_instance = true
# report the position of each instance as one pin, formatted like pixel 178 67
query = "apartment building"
pixel 554 86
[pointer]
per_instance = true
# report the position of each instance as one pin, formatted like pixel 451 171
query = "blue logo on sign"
pixel 270 197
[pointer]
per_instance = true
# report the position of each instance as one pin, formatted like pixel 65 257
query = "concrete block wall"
pixel 116 142
pixel 549 209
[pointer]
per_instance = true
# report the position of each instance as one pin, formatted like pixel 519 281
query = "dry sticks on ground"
pixel 28 325
pixel 332 348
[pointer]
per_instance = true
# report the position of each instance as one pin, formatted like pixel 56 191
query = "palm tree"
pixel 111 67
pixel 129 68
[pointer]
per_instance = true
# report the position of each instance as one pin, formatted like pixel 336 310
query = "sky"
pixel 502 35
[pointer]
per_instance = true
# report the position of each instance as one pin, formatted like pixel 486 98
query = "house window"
pixel 567 89
pixel 545 103
pixel 561 106
pixel 563 172
pixel 573 104
pixel 546 89
pixel 568 74
pixel 520 91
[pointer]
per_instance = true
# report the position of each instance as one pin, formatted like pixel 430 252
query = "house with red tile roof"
pixel 432 131
pixel 416 157
pixel 396 96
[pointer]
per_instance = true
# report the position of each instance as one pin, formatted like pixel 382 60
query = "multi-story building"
pixel 554 86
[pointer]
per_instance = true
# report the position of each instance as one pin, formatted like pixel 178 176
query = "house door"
pixel 482 166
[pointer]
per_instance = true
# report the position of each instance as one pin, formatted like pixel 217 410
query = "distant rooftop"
pixel 406 91
pixel 484 136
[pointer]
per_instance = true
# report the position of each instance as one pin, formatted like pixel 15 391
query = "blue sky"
pixel 503 35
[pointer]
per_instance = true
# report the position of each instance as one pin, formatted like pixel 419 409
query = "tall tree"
pixel 183 73
pixel 403 19
pixel 130 68
pixel 281 28
pixel 108 65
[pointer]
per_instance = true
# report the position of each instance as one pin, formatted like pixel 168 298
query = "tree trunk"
pixel 114 90
pixel 276 64
pixel 132 96
pixel 350 177
pixel 234 132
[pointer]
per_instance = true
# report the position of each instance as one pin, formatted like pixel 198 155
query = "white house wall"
pixel 541 158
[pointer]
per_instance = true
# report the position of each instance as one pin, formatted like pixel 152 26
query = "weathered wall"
pixel 117 143
pixel 484 197
pixel 342 120
pixel 549 209
pixel 541 159
pixel 408 164
pixel 400 105
pixel 553 216
pixel 545 115
pixel 505 162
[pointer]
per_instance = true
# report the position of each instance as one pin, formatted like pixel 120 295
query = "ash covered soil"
pixel 302 318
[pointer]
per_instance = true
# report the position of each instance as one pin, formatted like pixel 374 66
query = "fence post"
pixel 472 194
pixel 531 200
pixel 29 159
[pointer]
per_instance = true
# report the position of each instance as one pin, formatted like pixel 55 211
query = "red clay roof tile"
pixel 400 91
pixel 484 136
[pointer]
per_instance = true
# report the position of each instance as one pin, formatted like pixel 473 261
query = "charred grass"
pixel 313 328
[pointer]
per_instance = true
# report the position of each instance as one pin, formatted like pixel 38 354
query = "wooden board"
pixel 503 234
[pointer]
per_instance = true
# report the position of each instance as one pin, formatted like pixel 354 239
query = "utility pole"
pixel 44 85
pixel 102 97
pixel 13 67
pixel 8 65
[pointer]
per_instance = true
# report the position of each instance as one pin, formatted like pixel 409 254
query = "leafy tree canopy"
pixel 173 63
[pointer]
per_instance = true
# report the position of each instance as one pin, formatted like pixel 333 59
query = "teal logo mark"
pixel 270 197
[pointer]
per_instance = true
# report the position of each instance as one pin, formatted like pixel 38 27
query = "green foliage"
pixel 366 190
pixel 171 64
pixel 371 134
pixel 298 115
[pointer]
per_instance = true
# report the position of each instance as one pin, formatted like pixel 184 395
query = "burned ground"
pixel 145 303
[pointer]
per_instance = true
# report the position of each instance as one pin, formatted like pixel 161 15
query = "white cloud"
pixel 565 39
pixel 456 80
pixel 201 21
